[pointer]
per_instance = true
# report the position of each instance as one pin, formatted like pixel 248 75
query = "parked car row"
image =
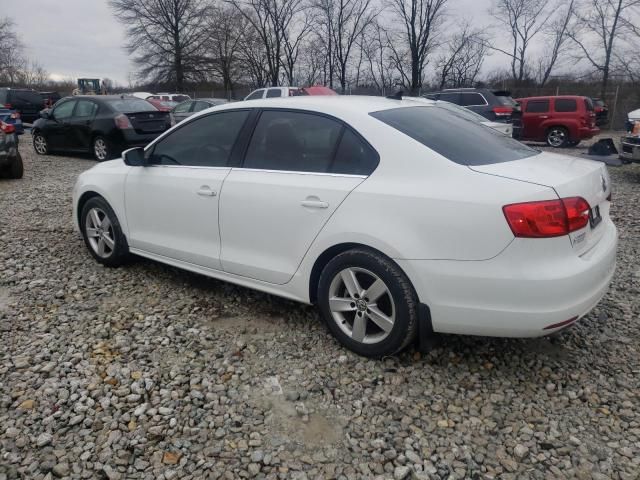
pixel 560 121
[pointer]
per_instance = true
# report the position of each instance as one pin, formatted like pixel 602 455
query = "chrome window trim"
pixel 296 172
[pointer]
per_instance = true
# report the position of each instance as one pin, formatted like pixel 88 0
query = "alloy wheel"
pixel 361 305
pixel 556 137
pixel 40 144
pixel 100 232
pixel 100 149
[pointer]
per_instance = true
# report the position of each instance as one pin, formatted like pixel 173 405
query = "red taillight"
pixel 502 111
pixel 7 105
pixel 548 218
pixel 122 121
pixel 7 127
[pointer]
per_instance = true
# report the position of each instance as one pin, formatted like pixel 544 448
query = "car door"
pixel 81 123
pixel 286 190
pixel 57 128
pixel 172 204
pixel 535 113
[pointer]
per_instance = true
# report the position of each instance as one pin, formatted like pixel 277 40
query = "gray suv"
pixel 495 105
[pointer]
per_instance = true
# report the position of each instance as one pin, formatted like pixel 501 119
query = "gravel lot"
pixel 151 372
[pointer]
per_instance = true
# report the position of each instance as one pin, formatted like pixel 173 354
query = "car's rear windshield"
pixel 453 137
pixel 131 105
pixel 506 100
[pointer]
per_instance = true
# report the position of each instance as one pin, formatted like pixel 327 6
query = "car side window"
pixel 293 141
pixel 255 95
pixel 199 106
pixel 471 99
pixel 566 105
pixel 274 92
pixel 354 156
pixel 450 97
pixel 204 142
pixel 85 109
pixel 537 106
pixel 183 107
pixel 64 110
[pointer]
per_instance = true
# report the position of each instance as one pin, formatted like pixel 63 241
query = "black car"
pixel 50 98
pixel 495 105
pixel 102 125
pixel 25 101
pixel 10 159
pixel 601 110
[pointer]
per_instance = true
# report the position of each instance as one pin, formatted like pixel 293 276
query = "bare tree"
pixel 12 60
pixel 167 36
pixel 254 59
pixel 273 22
pixel 378 56
pixel 524 20
pixel 344 22
pixel 225 44
pixel 420 23
pixel 600 24
pixel 293 43
pixel 557 33
pixel 460 65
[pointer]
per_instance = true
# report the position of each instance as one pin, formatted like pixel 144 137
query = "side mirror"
pixel 134 157
pixel 46 113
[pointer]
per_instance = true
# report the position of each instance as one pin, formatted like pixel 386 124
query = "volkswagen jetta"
pixel 396 218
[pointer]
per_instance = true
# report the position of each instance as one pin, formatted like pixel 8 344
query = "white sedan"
pixel 398 219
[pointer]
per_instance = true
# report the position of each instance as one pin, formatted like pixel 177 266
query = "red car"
pixel 561 121
pixel 162 105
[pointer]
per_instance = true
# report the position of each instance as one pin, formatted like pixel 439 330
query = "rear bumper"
pixel 130 138
pixel 521 292
pixel 585 133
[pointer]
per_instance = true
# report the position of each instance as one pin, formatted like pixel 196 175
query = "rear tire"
pixel 102 149
pixel 557 137
pixel 16 170
pixel 102 233
pixel 368 303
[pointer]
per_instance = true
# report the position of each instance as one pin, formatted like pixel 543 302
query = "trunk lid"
pixel 149 122
pixel 569 177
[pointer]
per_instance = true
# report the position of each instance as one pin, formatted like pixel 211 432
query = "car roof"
pixel 546 97
pixel 328 103
pixel 338 105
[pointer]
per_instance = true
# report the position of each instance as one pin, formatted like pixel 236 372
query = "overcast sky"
pixel 81 38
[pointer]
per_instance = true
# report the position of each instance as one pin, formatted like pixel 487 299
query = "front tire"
pixel 368 303
pixel 102 233
pixel 40 144
pixel 102 149
pixel 558 137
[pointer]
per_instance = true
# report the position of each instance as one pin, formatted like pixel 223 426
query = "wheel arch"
pixel 331 252
pixel 84 198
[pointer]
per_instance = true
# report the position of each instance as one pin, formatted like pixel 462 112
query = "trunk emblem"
pixel 604 183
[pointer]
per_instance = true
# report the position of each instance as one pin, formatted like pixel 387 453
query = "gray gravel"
pixel 154 373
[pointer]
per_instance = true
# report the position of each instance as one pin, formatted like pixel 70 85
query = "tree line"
pixel 412 44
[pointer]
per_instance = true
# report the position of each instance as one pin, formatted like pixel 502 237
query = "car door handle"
pixel 543 116
pixel 206 192
pixel 314 204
